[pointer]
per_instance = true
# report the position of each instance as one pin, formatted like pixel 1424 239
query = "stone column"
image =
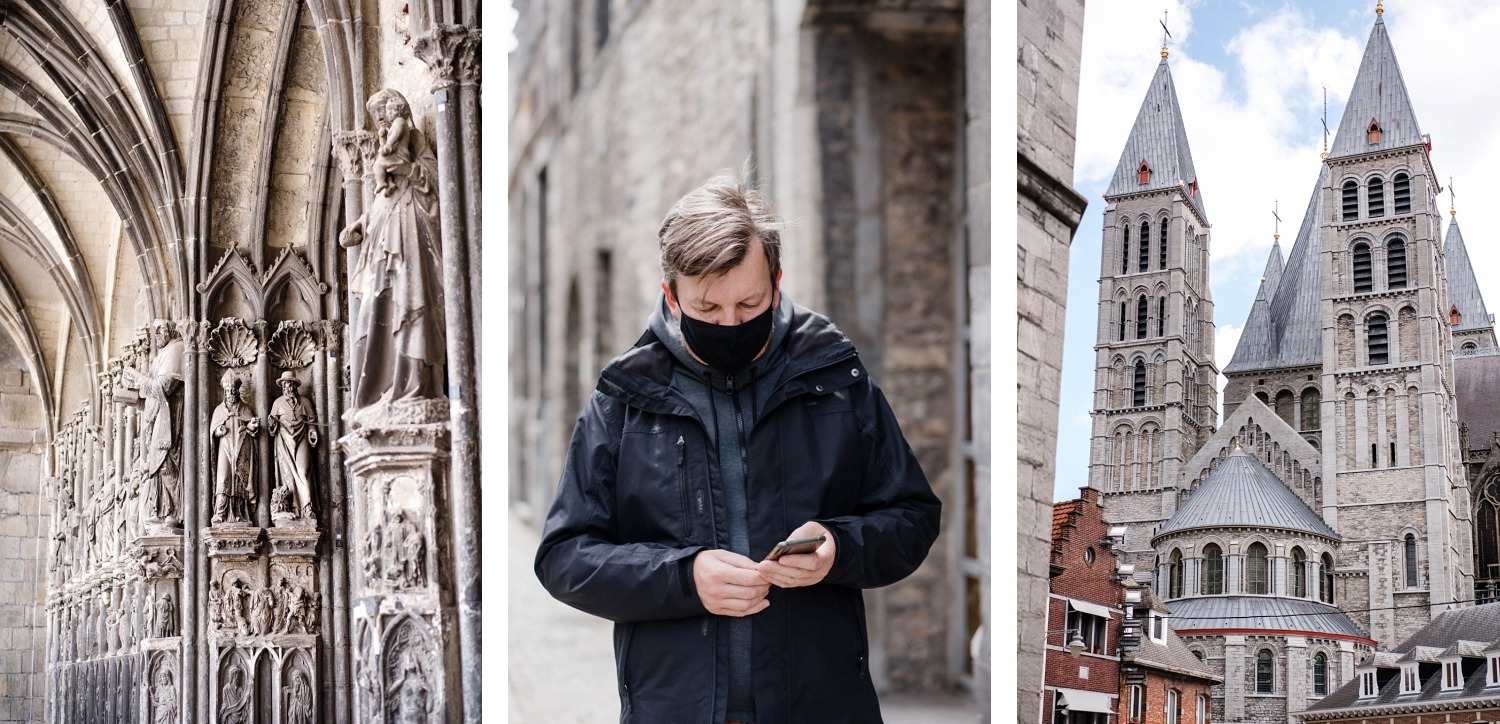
pixel 1234 678
pixel 1297 676
pixel 405 652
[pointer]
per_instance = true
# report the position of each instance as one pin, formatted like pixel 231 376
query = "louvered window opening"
pixel 1121 337
pixel 1125 251
pixel 1364 281
pixel 1145 260
pixel 1351 201
pixel 1141 310
pixel 1213 570
pixel 1138 387
pixel 1376 194
pixel 1161 317
pixel 1395 264
pixel 1256 580
pixel 1401 188
pixel 1379 345
pixel 1162 242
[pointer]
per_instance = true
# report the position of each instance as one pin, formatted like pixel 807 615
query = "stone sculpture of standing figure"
pixel 264 604
pixel 234 424
pixel 163 697
pixel 299 708
pixel 160 420
pixel 398 348
pixel 294 431
pixel 164 622
pixel 235 599
pixel 405 551
pixel 234 699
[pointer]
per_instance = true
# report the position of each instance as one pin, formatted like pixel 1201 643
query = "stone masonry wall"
pixel 23 530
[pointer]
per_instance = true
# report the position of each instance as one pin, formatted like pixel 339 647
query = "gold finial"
pixel 1163 52
pixel 1379 8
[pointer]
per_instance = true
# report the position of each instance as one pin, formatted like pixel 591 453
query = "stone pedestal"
pixel 403 613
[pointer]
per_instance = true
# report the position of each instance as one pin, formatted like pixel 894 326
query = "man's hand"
pixel 728 583
pixel 801 569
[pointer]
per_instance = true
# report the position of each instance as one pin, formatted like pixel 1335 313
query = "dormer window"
pixel 1453 316
pixel 1410 682
pixel 1452 676
pixel 1143 172
pixel 1492 667
pixel 1367 688
pixel 1372 132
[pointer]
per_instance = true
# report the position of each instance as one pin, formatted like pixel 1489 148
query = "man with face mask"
pixel 738 420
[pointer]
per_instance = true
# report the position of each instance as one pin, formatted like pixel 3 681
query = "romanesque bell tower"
pixel 1155 395
pixel 1392 479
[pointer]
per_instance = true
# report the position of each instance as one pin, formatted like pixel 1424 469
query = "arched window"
pixel 1145 259
pixel 1264 684
pixel 1312 413
pixel 1256 578
pixel 1325 582
pixel 1174 575
pixel 1376 195
pixel 1411 561
pixel 1375 328
pixel 1161 243
pixel 1320 674
pixel 1213 569
pixel 1141 310
pixel 1395 264
pixel 1363 280
pixel 1297 577
pixel 1122 322
pixel 1125 251
pixel 1351 200
pixel 1138 387
pixel 1161 317
pixel 1401 188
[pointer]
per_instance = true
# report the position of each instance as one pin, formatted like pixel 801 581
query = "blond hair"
pixel 709 231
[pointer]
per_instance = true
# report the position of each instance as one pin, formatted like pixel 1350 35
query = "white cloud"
pixel 1226 338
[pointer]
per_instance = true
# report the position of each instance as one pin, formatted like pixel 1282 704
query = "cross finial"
pixel 1452 207
pixel 1325 123
pixel 1165 34
pixel 1274 214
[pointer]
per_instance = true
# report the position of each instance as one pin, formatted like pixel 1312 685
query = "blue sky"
pixel 1250 78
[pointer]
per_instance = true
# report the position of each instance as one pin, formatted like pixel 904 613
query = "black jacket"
pixel 639 497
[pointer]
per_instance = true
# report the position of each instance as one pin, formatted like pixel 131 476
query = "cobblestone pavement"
pixel 561 668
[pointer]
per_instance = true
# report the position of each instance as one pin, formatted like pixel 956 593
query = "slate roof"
pixel 1242 492
pixel 1174 656
pixel 1378 93
pixel 1261 613
pixel 1449 628
pixel 1289 329
pixel 1476 383
pixel 1463 287
pixel 1160 139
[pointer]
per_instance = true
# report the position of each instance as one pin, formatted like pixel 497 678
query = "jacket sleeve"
pixel 899 515
pixel 580 561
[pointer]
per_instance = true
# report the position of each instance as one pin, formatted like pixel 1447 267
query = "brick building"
pixel 1449 671
pixel 1162 681
pixel 1084 617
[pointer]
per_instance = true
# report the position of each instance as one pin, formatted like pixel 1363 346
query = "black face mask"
pixel 727 348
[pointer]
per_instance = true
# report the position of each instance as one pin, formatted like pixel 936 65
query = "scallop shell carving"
pixel 232 344
pixel 292 347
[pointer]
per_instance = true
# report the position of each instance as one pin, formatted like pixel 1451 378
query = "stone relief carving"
pixel 233 425
pixel 292 347
pixel 294 434
pixel 408 694
pixel 235 698
pixel 299 703
pixel 404 554
pixel 398 331
pixel 163 696
pixel 161 423
pixel 236 597
pixel 263 612
pixel 233 344
pixel 299 609
pixel 164 616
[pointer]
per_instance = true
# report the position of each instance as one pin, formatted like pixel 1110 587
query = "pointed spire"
pixel 1256 347
pixel 1463 286
pixel 1156 154
pixel 1378 115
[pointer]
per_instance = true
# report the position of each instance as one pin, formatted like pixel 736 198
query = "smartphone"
pixel 801 545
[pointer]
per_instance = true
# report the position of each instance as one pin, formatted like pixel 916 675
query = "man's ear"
pixel 671 300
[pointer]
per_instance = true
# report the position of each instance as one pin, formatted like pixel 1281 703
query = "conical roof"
pixel 1242 492
pixel 1158 138
pixel 1289 332
pixel 1379 94
pixel 1463 286
pixel 1256 340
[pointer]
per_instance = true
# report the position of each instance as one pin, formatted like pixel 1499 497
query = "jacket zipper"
pixel 682 484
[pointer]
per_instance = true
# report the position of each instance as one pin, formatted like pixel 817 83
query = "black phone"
pixel 801 545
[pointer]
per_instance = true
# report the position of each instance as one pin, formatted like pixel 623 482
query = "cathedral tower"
pixel 1155 394
pixel 1390 468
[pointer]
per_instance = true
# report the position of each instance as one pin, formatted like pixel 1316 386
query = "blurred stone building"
pixel 205 514
pixel 868 127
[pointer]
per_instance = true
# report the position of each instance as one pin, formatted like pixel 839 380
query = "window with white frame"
pixel 1159 628
pixel 1367 686
pixel 1092 629
pixel 1410 684
pixel 1174 707
pixel 1137 702
pixel 1493 679
pixel 1452 676
pixel 1202 710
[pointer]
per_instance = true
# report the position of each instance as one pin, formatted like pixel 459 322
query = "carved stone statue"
pixel 234 699
pixel 163 697
pixel 263 615
pixel 164 619
pixel 408 697
pixel 233 425
pixel 371 550
pixel 235 599
pixel 404 554
pixel 398 349
pixel 294 431
pixel 299 706
pixel 215 606
pixel 160 423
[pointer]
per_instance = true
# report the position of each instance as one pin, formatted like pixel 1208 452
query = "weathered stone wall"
pixel 977 236
pixel 23 532
pixel 1050 45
